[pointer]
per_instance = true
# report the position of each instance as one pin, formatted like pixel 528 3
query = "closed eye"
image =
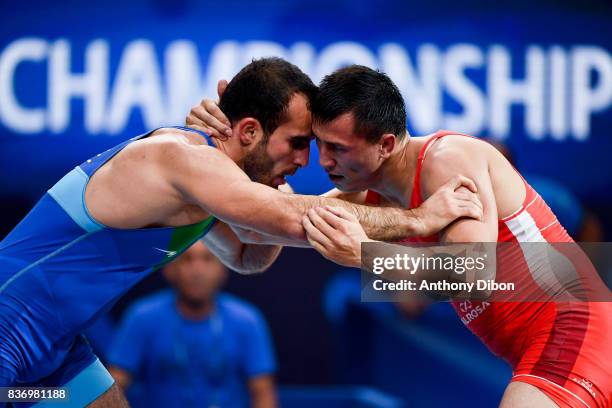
pixel 300 142
pixel 332 146
pixel 336 148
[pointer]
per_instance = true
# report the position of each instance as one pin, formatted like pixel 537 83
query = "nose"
pixel 325 159
pixel 301 157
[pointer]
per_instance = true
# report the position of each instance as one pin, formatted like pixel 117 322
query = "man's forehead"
pixel 298 107
pixel 297 119
pixel 339 130
pixel 293 131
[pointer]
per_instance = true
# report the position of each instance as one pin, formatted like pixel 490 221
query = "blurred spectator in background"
pixel 353 339
pixel 194 347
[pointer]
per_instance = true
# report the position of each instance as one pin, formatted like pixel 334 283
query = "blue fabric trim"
pixel 69 193
pixel 206 136
pixel 85 388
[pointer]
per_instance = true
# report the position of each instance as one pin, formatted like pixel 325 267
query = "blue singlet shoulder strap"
pixel 206 136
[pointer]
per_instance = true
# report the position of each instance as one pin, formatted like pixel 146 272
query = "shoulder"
pixel 239 310
pixel 452 155
pixel 183 155
pixel 457 148
pixel 150 307
pixel 170 147
pixel 176 146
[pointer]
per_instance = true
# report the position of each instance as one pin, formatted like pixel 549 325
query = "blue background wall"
pixel 470 66
pixel 78 77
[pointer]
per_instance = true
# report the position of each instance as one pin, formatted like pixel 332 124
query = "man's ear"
pixel 249 131
pixel 387 144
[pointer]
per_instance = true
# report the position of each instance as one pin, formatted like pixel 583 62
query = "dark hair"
pixel 370 95
pixel 263 89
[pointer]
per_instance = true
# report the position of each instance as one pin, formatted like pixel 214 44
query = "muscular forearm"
pixel 379 223
pixel 267 211
pixel 386 223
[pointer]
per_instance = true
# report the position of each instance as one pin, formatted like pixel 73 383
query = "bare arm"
pixel 262 391
pixel 454 198
pixel 337 235
pixel 253 237
pixel 240 257
pixel 444 164
pixel 121 377
pixel 208 178
pixel 443 207
pixel 432 216
pixel 465 230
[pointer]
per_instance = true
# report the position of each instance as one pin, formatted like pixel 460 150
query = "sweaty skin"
pixel 174 178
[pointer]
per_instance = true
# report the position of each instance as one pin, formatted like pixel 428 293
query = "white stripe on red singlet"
pixel 537 256
pixel 556 385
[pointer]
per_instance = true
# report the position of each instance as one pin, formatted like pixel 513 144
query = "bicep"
pixel 209 179
pixel 465 229
pixel 226 192
pixel 471 230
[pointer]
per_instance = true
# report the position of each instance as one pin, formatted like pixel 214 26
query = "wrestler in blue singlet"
pixel 59 270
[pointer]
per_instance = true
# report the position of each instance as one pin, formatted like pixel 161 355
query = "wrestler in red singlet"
pixel 563 349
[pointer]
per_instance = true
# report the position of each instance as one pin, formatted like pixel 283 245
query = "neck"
pixel 194 310
pixel 233 152
pixel 396 174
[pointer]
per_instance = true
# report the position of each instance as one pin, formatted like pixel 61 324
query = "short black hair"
pixel 374 100
pixel 263 89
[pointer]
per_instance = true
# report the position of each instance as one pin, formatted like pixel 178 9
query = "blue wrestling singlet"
pixel 59 270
